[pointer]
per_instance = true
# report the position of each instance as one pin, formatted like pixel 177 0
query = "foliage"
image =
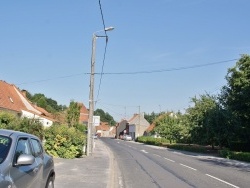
pixel 105 116
pixel 168 126
pixel 235 98
pixel 241 156
pixel 32 126
pixel 208 122
pixel 151 117
pixel 151 140
pixel 73 114
pixel 191 148
pixel 64 142
pixel 47 103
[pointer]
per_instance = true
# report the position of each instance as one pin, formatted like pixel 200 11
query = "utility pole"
pixel 91 99
pixel 91 128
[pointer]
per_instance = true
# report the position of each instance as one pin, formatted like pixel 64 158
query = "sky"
pixel 160 54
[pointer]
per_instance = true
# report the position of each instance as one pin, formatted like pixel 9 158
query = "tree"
pixel 151 117
pixel 235 97
pixel 73 114
pixel 207 121
pixel 168 126
pixel 105 116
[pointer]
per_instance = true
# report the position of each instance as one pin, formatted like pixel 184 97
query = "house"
pixel 135 127
pixel 84 114
pixel 13 100
pixel 104 130
pixel 138 125
pixel 121 128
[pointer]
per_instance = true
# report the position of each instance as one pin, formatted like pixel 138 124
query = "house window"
pixel 11 100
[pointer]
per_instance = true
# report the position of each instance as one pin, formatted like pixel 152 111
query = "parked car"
pixel 23 161
pixel 127 137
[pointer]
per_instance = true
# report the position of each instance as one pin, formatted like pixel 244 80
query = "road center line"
pixel 223 181
pixel 188 166
pixel 144 151
pixel 157 155
pixel 169 159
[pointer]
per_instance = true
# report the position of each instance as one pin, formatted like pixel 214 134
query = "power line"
pixel 105 50
pixel 133 73
pixel 172 69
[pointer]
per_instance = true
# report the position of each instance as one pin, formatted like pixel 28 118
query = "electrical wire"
pixel 134 73
pixel 105 50
pixel 172 69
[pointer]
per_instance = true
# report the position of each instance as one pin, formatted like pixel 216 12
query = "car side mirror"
pixel 25 159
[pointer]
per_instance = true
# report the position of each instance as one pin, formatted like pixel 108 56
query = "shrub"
pixel 64 142
pixel 241 156
pixel 151 140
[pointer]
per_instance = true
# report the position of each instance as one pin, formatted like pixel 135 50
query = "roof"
pixel 150 128
pixel 11 98
pixel 104 126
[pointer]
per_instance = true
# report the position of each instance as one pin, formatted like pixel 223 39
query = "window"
pixel 23 147
pixel 37 147
pixel 4 147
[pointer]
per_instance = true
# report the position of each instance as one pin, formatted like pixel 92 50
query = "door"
pixel 24 176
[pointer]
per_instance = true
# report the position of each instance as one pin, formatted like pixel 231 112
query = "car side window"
pixel 38 150
pixel 23 147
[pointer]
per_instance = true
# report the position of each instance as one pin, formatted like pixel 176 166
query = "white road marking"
pixel 120 182
pixel 144 151
pixel 223 181
pixel 157 155
pixel 187 166
pixel 169 159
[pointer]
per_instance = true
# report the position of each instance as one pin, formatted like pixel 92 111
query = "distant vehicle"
pixel 23 161
pixel 127 137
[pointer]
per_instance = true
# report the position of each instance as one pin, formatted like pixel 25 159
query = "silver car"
pixel 23 162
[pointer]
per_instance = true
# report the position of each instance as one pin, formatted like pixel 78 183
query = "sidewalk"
pixel 95 171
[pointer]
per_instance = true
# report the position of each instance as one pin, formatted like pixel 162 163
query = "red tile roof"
pixel 9 98
pixel 104 126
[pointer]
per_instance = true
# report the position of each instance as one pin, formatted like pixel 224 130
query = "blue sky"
pixel 45 47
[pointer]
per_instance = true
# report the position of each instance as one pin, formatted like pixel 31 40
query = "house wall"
pixel 45 122
pixel 120 128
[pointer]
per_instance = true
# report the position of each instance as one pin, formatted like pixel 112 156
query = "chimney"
pixel 24 92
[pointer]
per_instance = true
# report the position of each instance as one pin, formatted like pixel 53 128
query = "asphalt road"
pixel 146 166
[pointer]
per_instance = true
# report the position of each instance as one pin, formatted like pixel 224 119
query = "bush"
pixel 241 156
pixel 151 140
pixel 191 148
pixel 64 142
pixel 239 146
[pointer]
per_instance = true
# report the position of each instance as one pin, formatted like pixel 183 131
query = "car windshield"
pixel 4 147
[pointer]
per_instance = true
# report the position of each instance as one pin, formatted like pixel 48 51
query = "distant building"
pixel 136 126
pixel 84 114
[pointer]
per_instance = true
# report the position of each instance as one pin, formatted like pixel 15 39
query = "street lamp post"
pixel 91 92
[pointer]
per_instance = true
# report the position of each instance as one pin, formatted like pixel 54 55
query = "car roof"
pixel 10 133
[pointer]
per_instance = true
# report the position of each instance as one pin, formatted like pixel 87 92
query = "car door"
pixel 24 176
pixel 38 154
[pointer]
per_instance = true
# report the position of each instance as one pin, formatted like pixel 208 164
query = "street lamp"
pixel 91 91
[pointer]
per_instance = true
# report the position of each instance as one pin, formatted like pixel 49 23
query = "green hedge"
pixel 151 140
pixel 241 156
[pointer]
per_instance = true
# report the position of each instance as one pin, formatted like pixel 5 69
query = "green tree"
pixel 105 116
pixel 73 114
pixel 235 97
pixel 152 117
pixel 207 121
pixel 168 126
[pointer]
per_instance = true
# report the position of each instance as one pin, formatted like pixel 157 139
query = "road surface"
pixel 156 167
